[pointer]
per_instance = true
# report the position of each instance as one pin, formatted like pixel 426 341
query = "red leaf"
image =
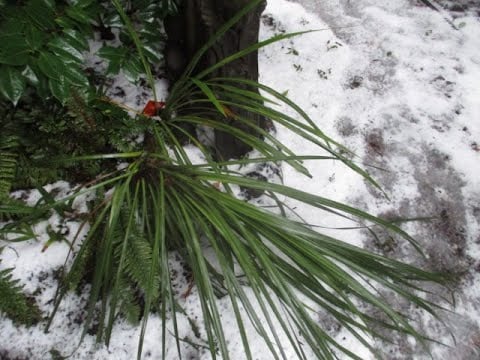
pixel 152 107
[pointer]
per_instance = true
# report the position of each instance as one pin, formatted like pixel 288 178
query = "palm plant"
pixel 162 201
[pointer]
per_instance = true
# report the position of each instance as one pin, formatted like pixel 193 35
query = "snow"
pixel 395 83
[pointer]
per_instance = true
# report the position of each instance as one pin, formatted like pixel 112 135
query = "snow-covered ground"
pixel 396 82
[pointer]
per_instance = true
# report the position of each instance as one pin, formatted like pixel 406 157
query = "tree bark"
pixel 188 31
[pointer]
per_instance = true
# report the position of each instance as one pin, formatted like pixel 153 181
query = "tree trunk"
pixel 188 31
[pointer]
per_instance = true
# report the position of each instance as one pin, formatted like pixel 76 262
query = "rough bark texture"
pixel 191 28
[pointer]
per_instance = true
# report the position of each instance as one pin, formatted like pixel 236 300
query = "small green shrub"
pixel 43 44
pixel 44 129
pixel 47 94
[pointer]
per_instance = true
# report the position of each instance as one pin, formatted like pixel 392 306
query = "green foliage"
pixel 14 303
pixel 8 168
pixel 12 83
pixel 8 162
pixel 43 129
pixel 43 47
pixel 43 44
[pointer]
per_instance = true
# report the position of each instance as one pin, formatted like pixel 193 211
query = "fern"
pixel 136 268
pixel 138 262
pixel 8 163
pixel 130 303
pixel 134 272
pixel 14 303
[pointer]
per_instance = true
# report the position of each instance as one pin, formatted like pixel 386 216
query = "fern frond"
pixel 8 163
pixel 78 108
pixel 130 301
pixel 14 303
pixel 139 261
